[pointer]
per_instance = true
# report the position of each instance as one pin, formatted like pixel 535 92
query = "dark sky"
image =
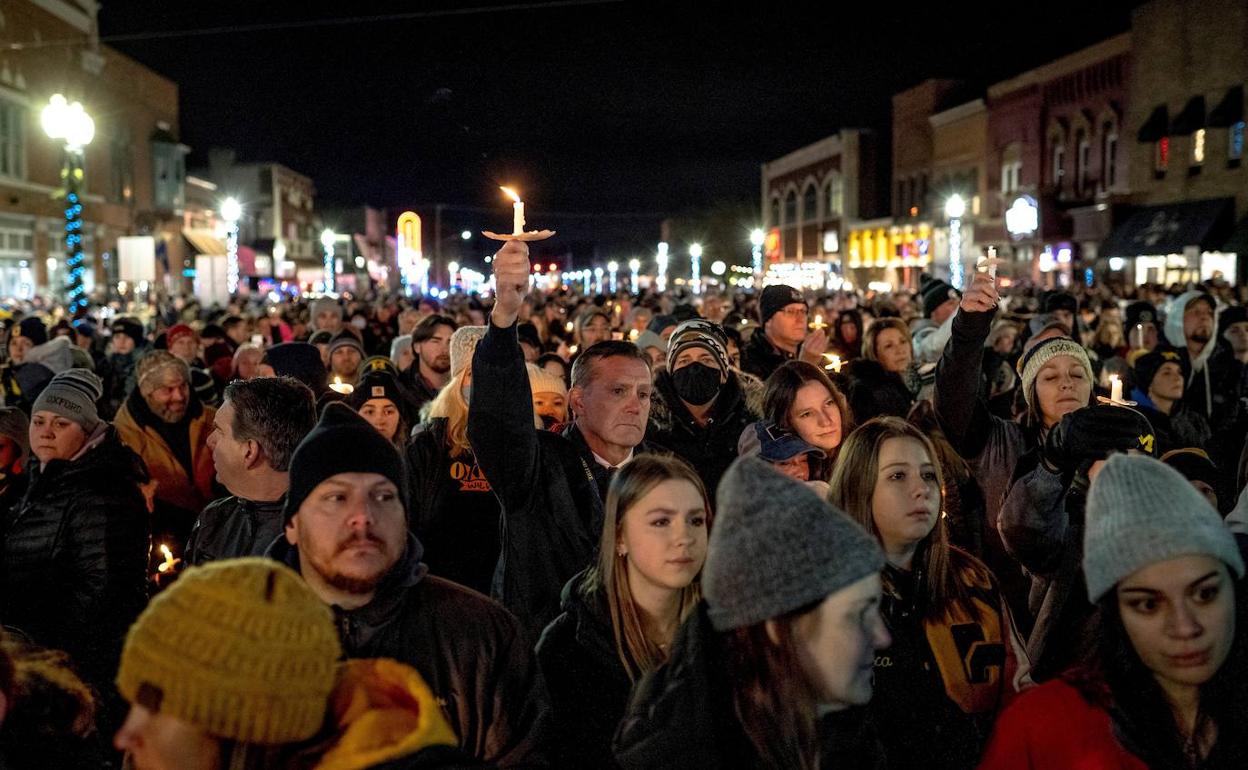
pixel 611 107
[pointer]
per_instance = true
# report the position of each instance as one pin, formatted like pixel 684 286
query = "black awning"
pixel 1191 119
pixel 1230 110
pixel 1157 126
pixel 1170 228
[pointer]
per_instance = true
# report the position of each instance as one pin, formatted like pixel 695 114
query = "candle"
pixel 1139 335
pixel 569 326
pixel 1115 389
pixel 818 322
pixel 633 335
pixel 572 350
pixel 834 362
pixel 992 262
pixel 169 563
pixel 517 210
pixel 338 386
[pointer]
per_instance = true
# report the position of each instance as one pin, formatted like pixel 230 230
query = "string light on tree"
pixel 231 212
pixel 695 267
pixel 757 237
pixel 634 266
pixel 955 209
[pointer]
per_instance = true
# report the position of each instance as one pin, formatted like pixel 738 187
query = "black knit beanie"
pixel 342 442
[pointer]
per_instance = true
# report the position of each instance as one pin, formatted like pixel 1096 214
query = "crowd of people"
pixel 922 528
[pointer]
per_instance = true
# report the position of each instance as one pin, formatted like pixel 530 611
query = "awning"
pixel 1230 110
pixel 1238 243
pixel 1191 119
pixel 204 242
pixel 1157 125
pixel 1170 228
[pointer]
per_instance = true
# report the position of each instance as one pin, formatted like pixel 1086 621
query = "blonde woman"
pixel 620 615
pixel 453 511
pixel 939 601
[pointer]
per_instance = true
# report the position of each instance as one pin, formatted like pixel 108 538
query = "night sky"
pixel 595 108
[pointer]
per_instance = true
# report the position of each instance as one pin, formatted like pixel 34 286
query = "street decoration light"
pixel 231 212
pixel 955 209
pixel 695 267
pixel 757 238
pixel 70 124
pixel 612 268
pixel 327 242
pixel 634 265
pixel 660 261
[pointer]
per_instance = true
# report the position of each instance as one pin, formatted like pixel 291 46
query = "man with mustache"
pixel 347 535
pixel 1189 329
pixel 430 369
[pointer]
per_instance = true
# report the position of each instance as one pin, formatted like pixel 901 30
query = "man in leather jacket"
pixel 254 434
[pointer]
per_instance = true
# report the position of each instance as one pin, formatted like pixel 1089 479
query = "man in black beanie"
pixel 782 333
pixel 346 534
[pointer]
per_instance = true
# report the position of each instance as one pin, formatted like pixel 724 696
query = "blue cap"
pixel 777 445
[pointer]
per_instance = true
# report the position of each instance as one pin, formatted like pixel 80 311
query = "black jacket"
pixel 588 684
pixel 681 715
pixel 709 448
pixel 416 392
pixel 552 513
pixel 73 575
pixel 760 358
pixel 873 391
pixel 232 527
pixel 471 652
pixel 602 475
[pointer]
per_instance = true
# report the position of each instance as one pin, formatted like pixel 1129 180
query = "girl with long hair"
pixel 886 380
pixel 800 398
pixel 956 658
pixel 620 615
pixel 378 400
pixel 1162 684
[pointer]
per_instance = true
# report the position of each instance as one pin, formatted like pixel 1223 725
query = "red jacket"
pixel 1052 727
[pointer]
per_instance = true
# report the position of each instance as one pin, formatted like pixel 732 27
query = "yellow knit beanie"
pixel 241 648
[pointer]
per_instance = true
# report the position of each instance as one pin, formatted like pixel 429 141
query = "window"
pixel 1161 156
pixel 836 196
pixel 12 140
pixel 1059 164
pixel 775 212
pixel 1235 145
pixel 790 208
pixel 1083 160
pixel 1109 156
pixel 810 204
pixel 121 165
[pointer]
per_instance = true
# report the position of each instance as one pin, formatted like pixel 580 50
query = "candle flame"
pixel 167 564
pixel 337 381
pixel 515 196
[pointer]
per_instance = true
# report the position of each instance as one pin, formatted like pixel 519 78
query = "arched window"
pixel 1083 161
pixel 775 212
pixel 790 208
pixel 835 196
pixel 1109 155
pixel 810 204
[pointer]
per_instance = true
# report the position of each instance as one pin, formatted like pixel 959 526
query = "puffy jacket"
pixel 552 512
pixel 74 569
pixel 681 716
pixel 760 358
pixel 709 448
pixel 177 493
pixel 873 391
pixel 578 650
pixel 232 527
pixel 474 655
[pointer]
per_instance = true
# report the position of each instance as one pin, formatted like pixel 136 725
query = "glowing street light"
pixel 598 280
pixel 634 265
pixel 612 268
pixel 327 242
pixel 718 267
pixel 695 267
pixel 660 261
pixel 231 212
pixel 955 209
pixel 757 238
pixel 71 124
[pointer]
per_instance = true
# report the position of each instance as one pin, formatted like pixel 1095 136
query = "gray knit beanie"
pixel 463 344
pixel 777 546
pixel 72 394
pixel 1141 511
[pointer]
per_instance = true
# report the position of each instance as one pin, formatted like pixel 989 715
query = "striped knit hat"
pixel 241 648
pixel 72 394
pixel 698 332
pixel 1034 360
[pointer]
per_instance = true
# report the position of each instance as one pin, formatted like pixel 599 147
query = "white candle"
pixel 818 324
pixel 338 386
pixel 834 362
pixel 1115 388
pixel 1139 335
pixel 518 217
pixel 992 265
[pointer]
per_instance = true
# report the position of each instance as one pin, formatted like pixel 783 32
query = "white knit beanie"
pixel 463 344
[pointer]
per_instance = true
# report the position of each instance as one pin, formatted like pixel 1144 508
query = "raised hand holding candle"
pixel 834 362
pixel 517 208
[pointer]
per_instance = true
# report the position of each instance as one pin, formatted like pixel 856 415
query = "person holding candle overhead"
pixel 73 571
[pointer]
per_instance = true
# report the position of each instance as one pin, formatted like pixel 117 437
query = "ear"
pixel 576 399
pixel 773 631
pixel 253 454
pixel 292 533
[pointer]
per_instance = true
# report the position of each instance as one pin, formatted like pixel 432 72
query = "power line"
pixel 314 23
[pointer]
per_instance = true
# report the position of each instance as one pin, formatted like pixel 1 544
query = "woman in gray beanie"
pixel 1163 685
pixel 768 669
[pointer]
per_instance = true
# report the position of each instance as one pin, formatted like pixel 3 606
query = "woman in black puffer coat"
pixel 73 575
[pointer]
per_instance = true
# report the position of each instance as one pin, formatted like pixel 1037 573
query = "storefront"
pixel 17 240
pixel 888 253
pixel 1175 243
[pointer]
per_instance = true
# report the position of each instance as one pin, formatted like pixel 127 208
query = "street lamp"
pixel 660 261
pixel 695 267
pixel 453 269
pixel 71 124
pixel 757 238
pixel 955 209
pixel 327 242
pixel 598 280
pixel 634 265
pixel 231 212
pixel 612 268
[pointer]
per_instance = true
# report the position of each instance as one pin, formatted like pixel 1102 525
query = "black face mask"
pixel 696 384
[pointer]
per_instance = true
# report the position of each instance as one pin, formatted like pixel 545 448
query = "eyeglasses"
pixel 795 313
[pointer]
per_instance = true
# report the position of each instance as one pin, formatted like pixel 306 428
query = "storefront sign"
pixel 1022 219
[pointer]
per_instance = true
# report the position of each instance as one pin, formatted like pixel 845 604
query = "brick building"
pixel 134 167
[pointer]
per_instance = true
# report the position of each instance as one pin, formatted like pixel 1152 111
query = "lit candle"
pixel 633 335
pixel 992 262
pixel 338 386
pixel 834 362
pixel 818 322
pixel 1139 335
pixel 167 566
pixel 569 326
pixel 1115 389
pixel 517 210
pixel 572 350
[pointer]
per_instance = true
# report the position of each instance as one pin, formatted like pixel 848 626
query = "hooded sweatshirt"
pixel 1199 392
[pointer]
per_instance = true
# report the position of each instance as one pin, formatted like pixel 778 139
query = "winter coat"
pixel 873 391
pixel 1181 429
pixel 588 684
pixel 709 448
pixel 681 715
pixel 1199 393
pixel 178 496
pixel 119 374
pixel 473 654
pixel 74 569
pixel 1042 527
pixel 760 358
pixel 461 545
pixel 416 392
pixel 992 446
pixel 958 671
pixel 602 474
pixel 232 527
pixel 552 512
